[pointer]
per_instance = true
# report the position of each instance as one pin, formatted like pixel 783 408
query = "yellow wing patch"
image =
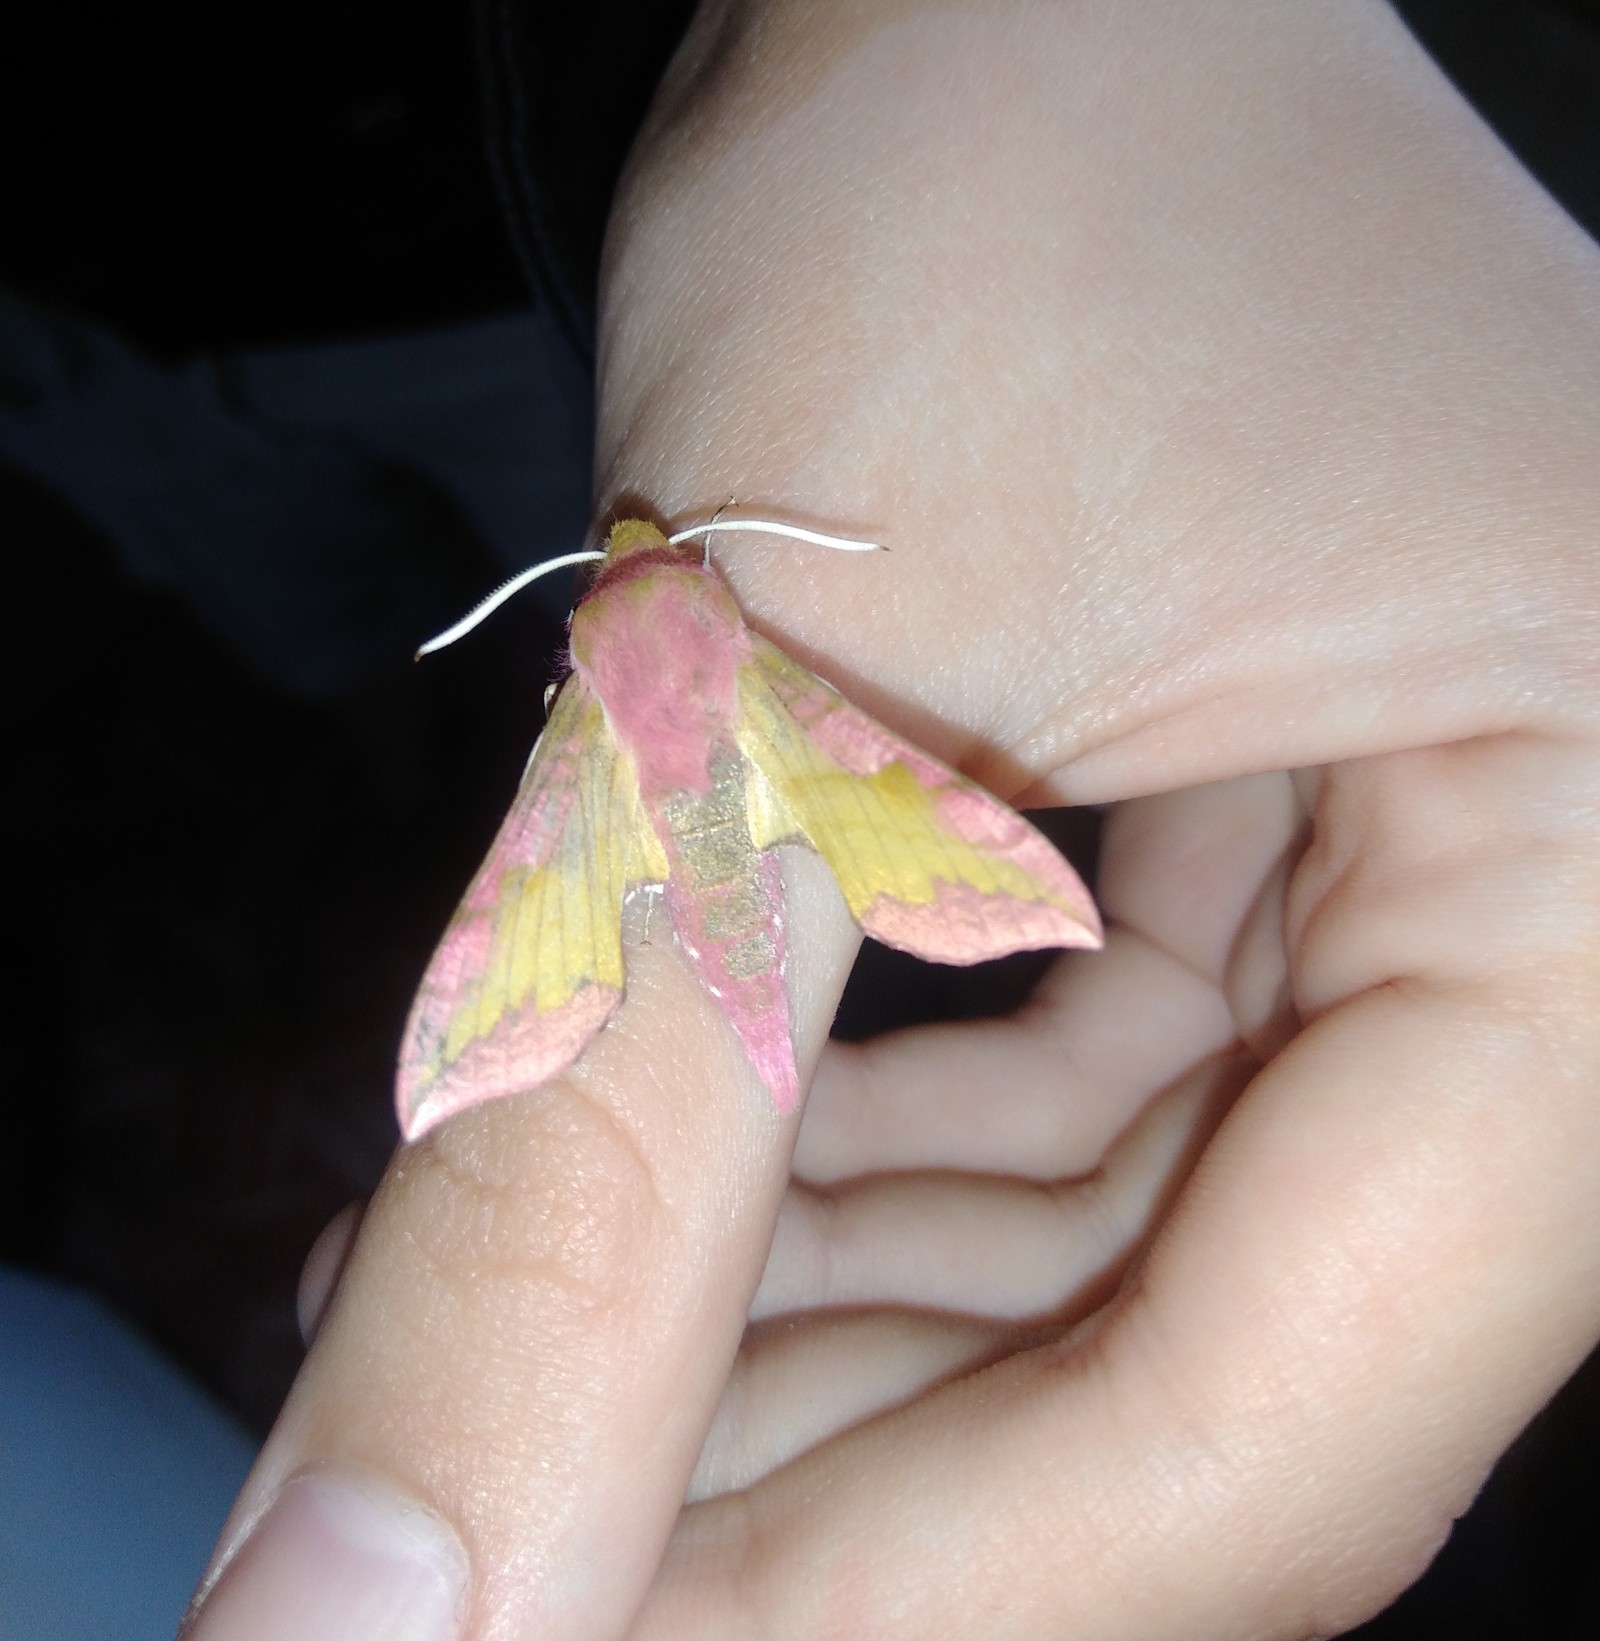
pixel 926 859
pixel 531 964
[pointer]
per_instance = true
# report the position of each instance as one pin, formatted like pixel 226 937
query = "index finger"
pixel 495 1427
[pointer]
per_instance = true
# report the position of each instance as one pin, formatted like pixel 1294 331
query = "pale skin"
pixel 1231 406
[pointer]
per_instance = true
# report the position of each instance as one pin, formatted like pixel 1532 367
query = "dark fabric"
pixel 244 175
pixel 565 88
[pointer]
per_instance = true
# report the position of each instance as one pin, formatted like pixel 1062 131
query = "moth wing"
pixel 928 861
pixel 530 966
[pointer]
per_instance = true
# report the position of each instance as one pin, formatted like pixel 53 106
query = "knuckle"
pixel 551 1192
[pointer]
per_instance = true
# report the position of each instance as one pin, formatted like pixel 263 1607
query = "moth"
pixel 681 750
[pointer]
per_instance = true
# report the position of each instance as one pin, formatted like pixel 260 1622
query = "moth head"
pixel 632 536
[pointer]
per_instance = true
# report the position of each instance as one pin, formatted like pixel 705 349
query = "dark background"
pixel 223 891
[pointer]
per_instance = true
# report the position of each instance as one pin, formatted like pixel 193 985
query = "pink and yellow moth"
pixel 680 751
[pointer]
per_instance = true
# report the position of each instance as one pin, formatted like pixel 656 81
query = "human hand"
pixel 1229 403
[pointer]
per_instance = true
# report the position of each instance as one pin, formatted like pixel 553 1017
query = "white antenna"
pixel 509 589
pixel 480 612
pixel 771 527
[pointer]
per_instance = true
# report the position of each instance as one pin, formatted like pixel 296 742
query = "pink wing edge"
pixel 527 1046
pixel 525 1049
pixel 961 925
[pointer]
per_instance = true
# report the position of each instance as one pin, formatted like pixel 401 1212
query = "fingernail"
pixel 339 1557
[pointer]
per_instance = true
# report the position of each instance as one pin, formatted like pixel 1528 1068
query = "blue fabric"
pixel 115 1472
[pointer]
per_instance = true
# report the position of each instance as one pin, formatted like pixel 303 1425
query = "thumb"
pixel 494 1430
